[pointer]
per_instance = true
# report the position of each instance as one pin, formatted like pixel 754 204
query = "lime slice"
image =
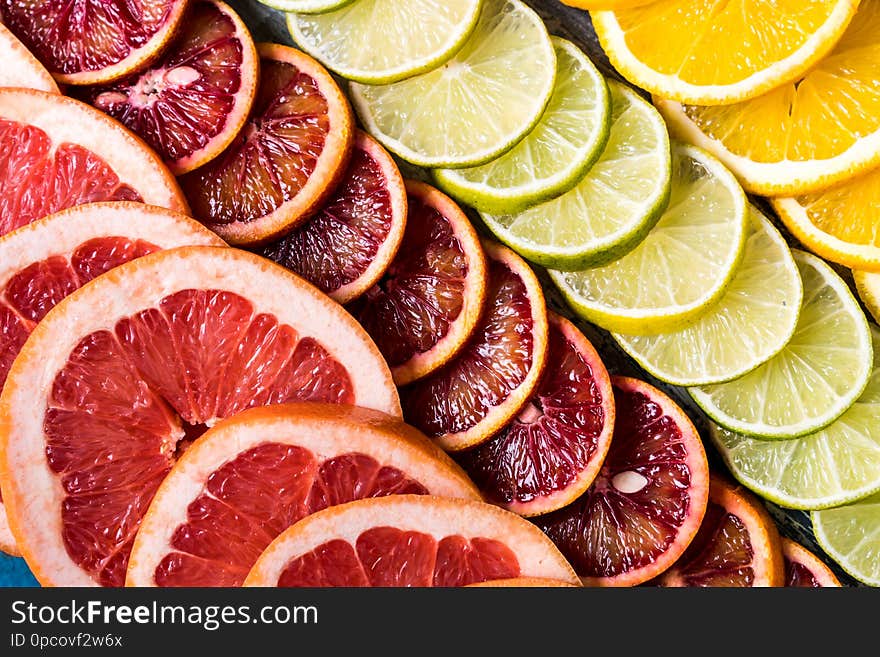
pixel 307 6
pixel 750 324
pixel 684 263
pixel 555 155
pixel 612 208
pixel 851 536
pixel 383 41
pixel 476 106
pixel 817 376
pixel 833 466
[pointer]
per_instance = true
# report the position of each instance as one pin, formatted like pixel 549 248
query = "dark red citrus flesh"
pixel 337 245
pixel 36 289
pixel 422 294
pixel 254 497
pixel 493 363
pixel 556 436
pixel 721 553
pixel 71 36
pixel 388 556
pixel 798 575
pixel 609 532
pixel 119 409
pixel 183 101
pixel 38 178
pixel 273 156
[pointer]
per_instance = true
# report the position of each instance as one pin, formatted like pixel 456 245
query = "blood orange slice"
pixel 192 102
pixel 646 505
pixel 91 41
pixel 427 305
pixel 43 262
pixel 805 569
pixel 738 544
pixel 20 67
pixel 287 159
pixel 407 540
pixel 120 376
pixel 551 453
pixel 249 478
pixel 350 243
pixel 465 402
pixel 56 152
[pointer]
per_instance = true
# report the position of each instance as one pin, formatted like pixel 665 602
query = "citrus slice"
pixel 119 378
pixel 681 267
pixel 56 152
pixel 286 160
pixel 385 41
pixel 476 106
pixel 486 384
pixel 95 40
pixel 552 451
pixel 306 6
pixel 612 208
pixel 850 535
pixel 719 53
pixel 838 224
pixel 21 68
pixel 817 376
pixel 407 540
pixel 806 135
pixel 606 4
pixel 189 104
pixel 252 476
pixel 752 322
pixel 426 306
pixel 804 569
pixel 738 544
pixel 523 582
pixel 868 289
pixel 43 262
pixel 833 466
pixel 647 502
pixel 347 247
pixel 555 155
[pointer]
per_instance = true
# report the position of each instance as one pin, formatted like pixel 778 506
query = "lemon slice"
pixel 383 41
pixel 712 53
pixel 612 208
pixel 306 6
pixel 555 155
pixel 868 289
pixel 817 376
pixel 476 106
pixel 805 135
pixel 851 536
pixel 750 324
pixel 681 267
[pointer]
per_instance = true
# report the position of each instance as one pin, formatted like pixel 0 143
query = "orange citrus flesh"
pixel 804 569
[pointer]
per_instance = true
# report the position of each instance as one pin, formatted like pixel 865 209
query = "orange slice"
pixel 805 569
pixel 252 476
pixel 56 152
pixel 20 67
pixel 464 403
pixel 406 540
pixel 287 159
pixel 123 374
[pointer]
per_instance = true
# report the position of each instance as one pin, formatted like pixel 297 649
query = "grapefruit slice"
pixel 192 102
pixel 553 450
pixel 92 41
pixel 523 582
pixel 347 247
pixel 119 378
pixel 287 159
pixel 48 259
pixel 738 544
pixel 56 152
pixel 805 569
pixel 252 476
pixel 485 385
pixel 646 505
pixel 408 540
pixel 20 67
pixel 427 304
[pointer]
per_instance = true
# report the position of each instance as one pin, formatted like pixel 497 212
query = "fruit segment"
pixel 803 569
pixel 850 535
